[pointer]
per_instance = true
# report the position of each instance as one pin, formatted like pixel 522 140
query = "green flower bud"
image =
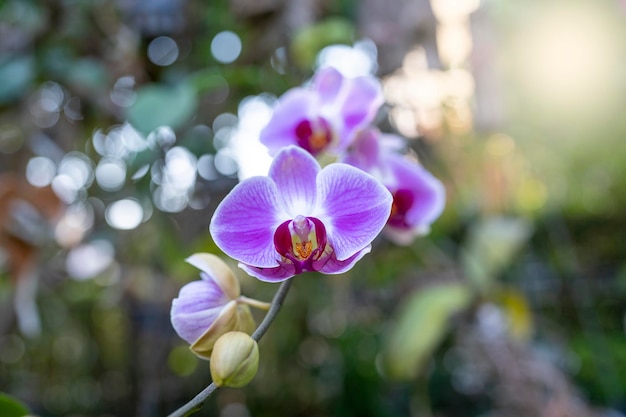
pixel 235 360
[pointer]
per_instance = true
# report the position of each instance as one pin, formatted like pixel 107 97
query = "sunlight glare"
pixel 250 154
pixel 350 61
pixel 567 59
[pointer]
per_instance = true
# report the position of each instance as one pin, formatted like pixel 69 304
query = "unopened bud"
pixel 235 360
pixel 234 317
pixel 218 271
pixel 206 309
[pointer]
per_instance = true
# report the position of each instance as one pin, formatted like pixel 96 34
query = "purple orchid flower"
pixel 301 218
pixel 206 309
pixel 418 197
pixel 325 117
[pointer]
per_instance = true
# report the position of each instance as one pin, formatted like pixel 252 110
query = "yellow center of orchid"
pixel 318 140
pixel 302 243
pixel 304 249
pixel 314 135
pixel 303 238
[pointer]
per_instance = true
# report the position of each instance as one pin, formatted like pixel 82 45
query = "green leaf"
pixel 159 105
pixel 10 407
pixel 422 324
pixel 491 245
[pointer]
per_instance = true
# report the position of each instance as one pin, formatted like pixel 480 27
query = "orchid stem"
pixel 277 303
pixel 196 403
pixel 261 305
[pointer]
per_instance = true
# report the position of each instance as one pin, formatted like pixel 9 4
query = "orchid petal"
pixel 294 171
pixel 355 208
pixel 335 266
pixel 217 271
pixel 362 99
pixel 243 224
pixel 365 152
pixel 429 193
pixel 350 102
pixel 294 106
pixel 277 274
pixel 234 317
pixel 198 305
pixel 328 83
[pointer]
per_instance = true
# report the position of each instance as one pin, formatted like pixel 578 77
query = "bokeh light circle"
pixel 226 47
pixel 125 214
pixel 163 51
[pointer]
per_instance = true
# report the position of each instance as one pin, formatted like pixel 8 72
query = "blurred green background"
pixel 123 124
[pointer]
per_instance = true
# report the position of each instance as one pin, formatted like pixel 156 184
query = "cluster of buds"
pixel 215 319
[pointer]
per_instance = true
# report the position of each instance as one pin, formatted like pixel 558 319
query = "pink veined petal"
pixel 243 224
pixel 328 82
pixel 429 194
pixel 200 295
pixel 354 208
pixel 215 270
pixel 198 304
pixel 277 274
pixel 365 151
pixel 335 266
pixel 294 106
pixel 190 326
pixel 213 290
pixel 294 171
pixel 362 100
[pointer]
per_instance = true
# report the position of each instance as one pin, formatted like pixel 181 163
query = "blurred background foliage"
pixel 123 123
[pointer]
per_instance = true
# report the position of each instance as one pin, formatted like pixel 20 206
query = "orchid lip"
pixel 301 242
pixel 314 135
pixel 402 202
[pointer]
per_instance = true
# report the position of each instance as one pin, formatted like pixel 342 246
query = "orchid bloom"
pixel 206 309
pixel 418 197
pixel 325 117
pixel 301 218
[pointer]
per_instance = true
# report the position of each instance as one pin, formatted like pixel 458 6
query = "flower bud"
pixel 235 360
pixel 218 271
pixel 206 309
pixel 234 317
